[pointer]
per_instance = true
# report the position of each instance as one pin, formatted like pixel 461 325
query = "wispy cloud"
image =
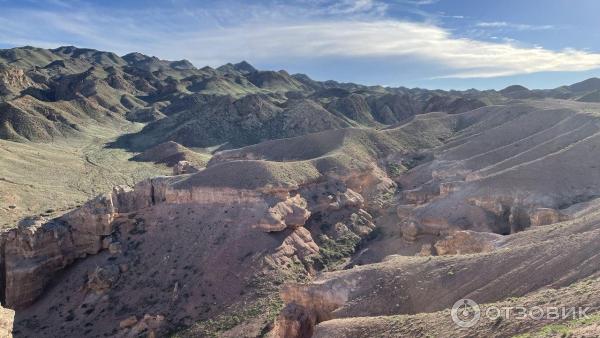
pixel 356 6
pixel 515 26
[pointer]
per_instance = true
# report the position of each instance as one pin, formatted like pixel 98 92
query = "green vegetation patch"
pixel 333 251
pixel 268 308
pixel 562 330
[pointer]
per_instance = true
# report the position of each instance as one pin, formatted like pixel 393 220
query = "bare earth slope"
pixel 510 174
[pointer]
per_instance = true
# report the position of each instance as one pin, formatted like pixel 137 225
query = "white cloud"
pixel 464 58
pixel 516 26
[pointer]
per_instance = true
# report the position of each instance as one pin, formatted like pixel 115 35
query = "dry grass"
pixel 50 178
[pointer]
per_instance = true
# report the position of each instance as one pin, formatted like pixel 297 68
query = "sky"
pixel 446 44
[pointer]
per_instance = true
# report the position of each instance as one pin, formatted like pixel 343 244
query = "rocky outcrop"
pixel 545 216
pixel 7 317
pixel 420 195
pixel 291 212
pixel 33 252
pixel 184 167
pixel 306 307
pixel 39 248
pixel 13 80
pixel 449 187
pixel 361 223
pixel 516 215
pixel 298 244
pixel 409 231
pixel 466 242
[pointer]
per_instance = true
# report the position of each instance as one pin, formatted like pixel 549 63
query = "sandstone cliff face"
pixel 39 248
pixel 33 253
pixel 269 228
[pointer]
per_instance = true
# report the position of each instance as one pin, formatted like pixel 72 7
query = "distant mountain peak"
pixel 513 89
pixel 588 85
pixel 244 67
pixel 135 57
pixel 182 64
pixel 65 49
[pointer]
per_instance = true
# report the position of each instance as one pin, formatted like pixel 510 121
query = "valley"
pixel 51 178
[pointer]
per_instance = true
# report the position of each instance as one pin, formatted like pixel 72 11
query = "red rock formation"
pixel 291 212
pixel 298 244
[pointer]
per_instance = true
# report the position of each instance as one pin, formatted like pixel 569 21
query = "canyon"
pixel 247 203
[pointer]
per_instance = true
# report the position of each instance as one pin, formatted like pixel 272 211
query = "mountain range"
pixel 49 94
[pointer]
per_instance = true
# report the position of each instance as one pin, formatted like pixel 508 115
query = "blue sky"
pixel 444 44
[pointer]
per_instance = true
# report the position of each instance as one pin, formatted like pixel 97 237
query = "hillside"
pixel 56 94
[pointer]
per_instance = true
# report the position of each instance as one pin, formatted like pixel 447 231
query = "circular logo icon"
pixel 465 313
